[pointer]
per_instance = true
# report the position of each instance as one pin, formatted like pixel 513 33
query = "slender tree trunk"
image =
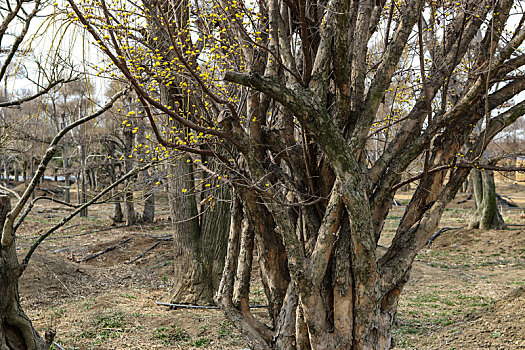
pixel 78 182
pixel 65 170
pixel 129 206
pixel 17 174
pixel 84 212
pixel 148 215
pixel 24 171
pixel 16 330
pixel 118 216
pixel 32 171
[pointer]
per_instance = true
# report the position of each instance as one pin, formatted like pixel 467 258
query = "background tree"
pixel 16 329
pixel 290 96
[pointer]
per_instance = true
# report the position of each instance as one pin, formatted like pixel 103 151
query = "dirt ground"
pixel 467 289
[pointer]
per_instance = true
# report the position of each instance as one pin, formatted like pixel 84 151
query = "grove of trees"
pixel 286 127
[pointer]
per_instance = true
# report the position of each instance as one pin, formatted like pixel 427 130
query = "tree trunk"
pixel 117 217
pixel 24 171
pixel 6 172
pixel 214 229
pixel 16 330
pixel 200 246
pixel 271 254
pixel 191 285
pixel 65 167
pixel 129 207
pixel 84 212
pixel 148 215
pixel 487 214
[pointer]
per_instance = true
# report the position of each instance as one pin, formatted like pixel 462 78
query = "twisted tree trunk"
pixel 487 214
pixel 16 330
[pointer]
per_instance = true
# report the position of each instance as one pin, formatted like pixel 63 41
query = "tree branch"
pixel 7 232
pixel 65 220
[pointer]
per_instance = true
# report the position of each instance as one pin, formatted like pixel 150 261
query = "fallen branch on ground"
pixel 444 229
pixel 465 200
pixel 186 306
pixel 147 250
pixel 104 251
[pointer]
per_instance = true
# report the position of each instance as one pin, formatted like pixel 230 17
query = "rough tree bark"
pixel 487 215
pixel 199 236
pixel 148 214
pixel 305 105
pixel 16 330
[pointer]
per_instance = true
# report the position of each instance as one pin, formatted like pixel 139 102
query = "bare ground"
pixel 466 290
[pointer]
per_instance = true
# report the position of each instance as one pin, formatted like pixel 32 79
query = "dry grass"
pixel 457 298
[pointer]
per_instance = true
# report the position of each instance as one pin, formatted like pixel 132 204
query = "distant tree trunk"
pixel 24 171
pixel 487 212
pixel 65 167
pixel 16 330
pixel 465 186
pixel 17 174
pixel 6 172
pixel 199 245
pixel 78 181
pixel 117 217
pixel 32 171
pixel 84 212
pixel 129 206
pixel 89 176
pixel 148 215
pixel 95 177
